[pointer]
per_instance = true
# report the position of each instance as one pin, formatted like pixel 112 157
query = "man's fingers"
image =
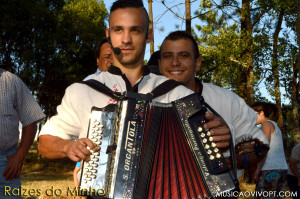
pixel 209 116
pixel 214 122
pixel 89 144
pixel 220 131
pixel 81 149
pixel 221 145
pixel 10 173
pixel 223 138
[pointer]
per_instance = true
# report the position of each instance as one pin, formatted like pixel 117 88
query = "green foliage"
pixel 232 40
pixel 49 44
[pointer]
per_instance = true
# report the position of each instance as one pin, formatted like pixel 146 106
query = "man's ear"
pixel 149 36
pixel 198 64
pixel 107 32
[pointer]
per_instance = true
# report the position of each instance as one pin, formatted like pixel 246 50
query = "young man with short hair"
pixel 180 60
pixel 128 31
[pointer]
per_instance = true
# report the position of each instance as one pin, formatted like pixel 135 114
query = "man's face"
pixel 128 32
pixel 178 61
pixel 104 61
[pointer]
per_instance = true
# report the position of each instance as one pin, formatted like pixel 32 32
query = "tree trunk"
pixel 275 69
pixel 295 84
pixel 151 25
pixel 188 19
pixel 246 29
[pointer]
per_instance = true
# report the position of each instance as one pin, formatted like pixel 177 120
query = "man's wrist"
pixel 67 144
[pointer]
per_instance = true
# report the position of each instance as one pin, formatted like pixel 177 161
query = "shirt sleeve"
pixel 66 123
pixel 244 122
pixel 28 109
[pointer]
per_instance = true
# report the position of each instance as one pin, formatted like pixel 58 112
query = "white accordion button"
pixel 93 176
pixel 211 157
pixel 95 165
pixel 218 155
pixel 94 170
pixel 206 146
pixel 213 144
pixel 208 133
pixel 199 129
pixel 88 179
pixel 211 139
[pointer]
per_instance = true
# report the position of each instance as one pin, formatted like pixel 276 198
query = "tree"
pixel 49 44
pixel 151 25
pixel 186 16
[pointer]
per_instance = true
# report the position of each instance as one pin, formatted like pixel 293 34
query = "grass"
pixel 42 178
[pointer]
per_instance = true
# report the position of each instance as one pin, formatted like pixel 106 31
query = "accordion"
pixel 154 150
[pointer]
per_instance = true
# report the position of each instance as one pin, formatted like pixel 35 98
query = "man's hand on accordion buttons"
pixel 81 149
pixel 219 130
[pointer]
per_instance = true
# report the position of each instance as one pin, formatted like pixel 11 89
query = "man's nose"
pixel 175 61
pixel 126 37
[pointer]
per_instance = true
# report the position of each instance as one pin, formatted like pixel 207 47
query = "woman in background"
pixel 271 172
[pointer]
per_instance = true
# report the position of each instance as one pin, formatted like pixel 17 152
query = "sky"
pixel 171 23
pixel 168 21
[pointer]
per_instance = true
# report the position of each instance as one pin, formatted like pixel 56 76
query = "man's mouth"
pixel 126 50
pixel 176 72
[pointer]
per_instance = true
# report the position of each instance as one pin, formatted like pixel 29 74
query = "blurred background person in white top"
pixel 293 177
pixel 270 174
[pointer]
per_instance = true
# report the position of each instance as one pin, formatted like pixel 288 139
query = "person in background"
pixel 16 104
pixel 271 172
pixel 153 63
pixel 76 173
pixel 180 60
pixel 293 177
pixel 103 55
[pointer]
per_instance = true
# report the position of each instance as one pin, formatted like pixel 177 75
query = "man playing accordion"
pixel 128 33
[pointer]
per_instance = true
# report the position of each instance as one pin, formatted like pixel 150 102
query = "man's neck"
pixel 132 74
pixel 193 85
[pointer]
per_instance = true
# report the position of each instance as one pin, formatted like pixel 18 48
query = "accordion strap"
pixel 161 89
pixel 102 88
pixel 165 87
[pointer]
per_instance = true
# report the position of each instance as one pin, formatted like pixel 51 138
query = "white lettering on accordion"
pixel 195 149
pixel 191 136
pixel 129 144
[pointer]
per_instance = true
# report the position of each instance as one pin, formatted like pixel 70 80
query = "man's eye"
pixel 184 55
pixel 117 29
pixel 136 30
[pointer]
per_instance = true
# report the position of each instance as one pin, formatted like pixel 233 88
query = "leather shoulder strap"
pixel 101 88
pixel 165 87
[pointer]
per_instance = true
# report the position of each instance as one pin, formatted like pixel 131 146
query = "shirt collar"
pixel 97 71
